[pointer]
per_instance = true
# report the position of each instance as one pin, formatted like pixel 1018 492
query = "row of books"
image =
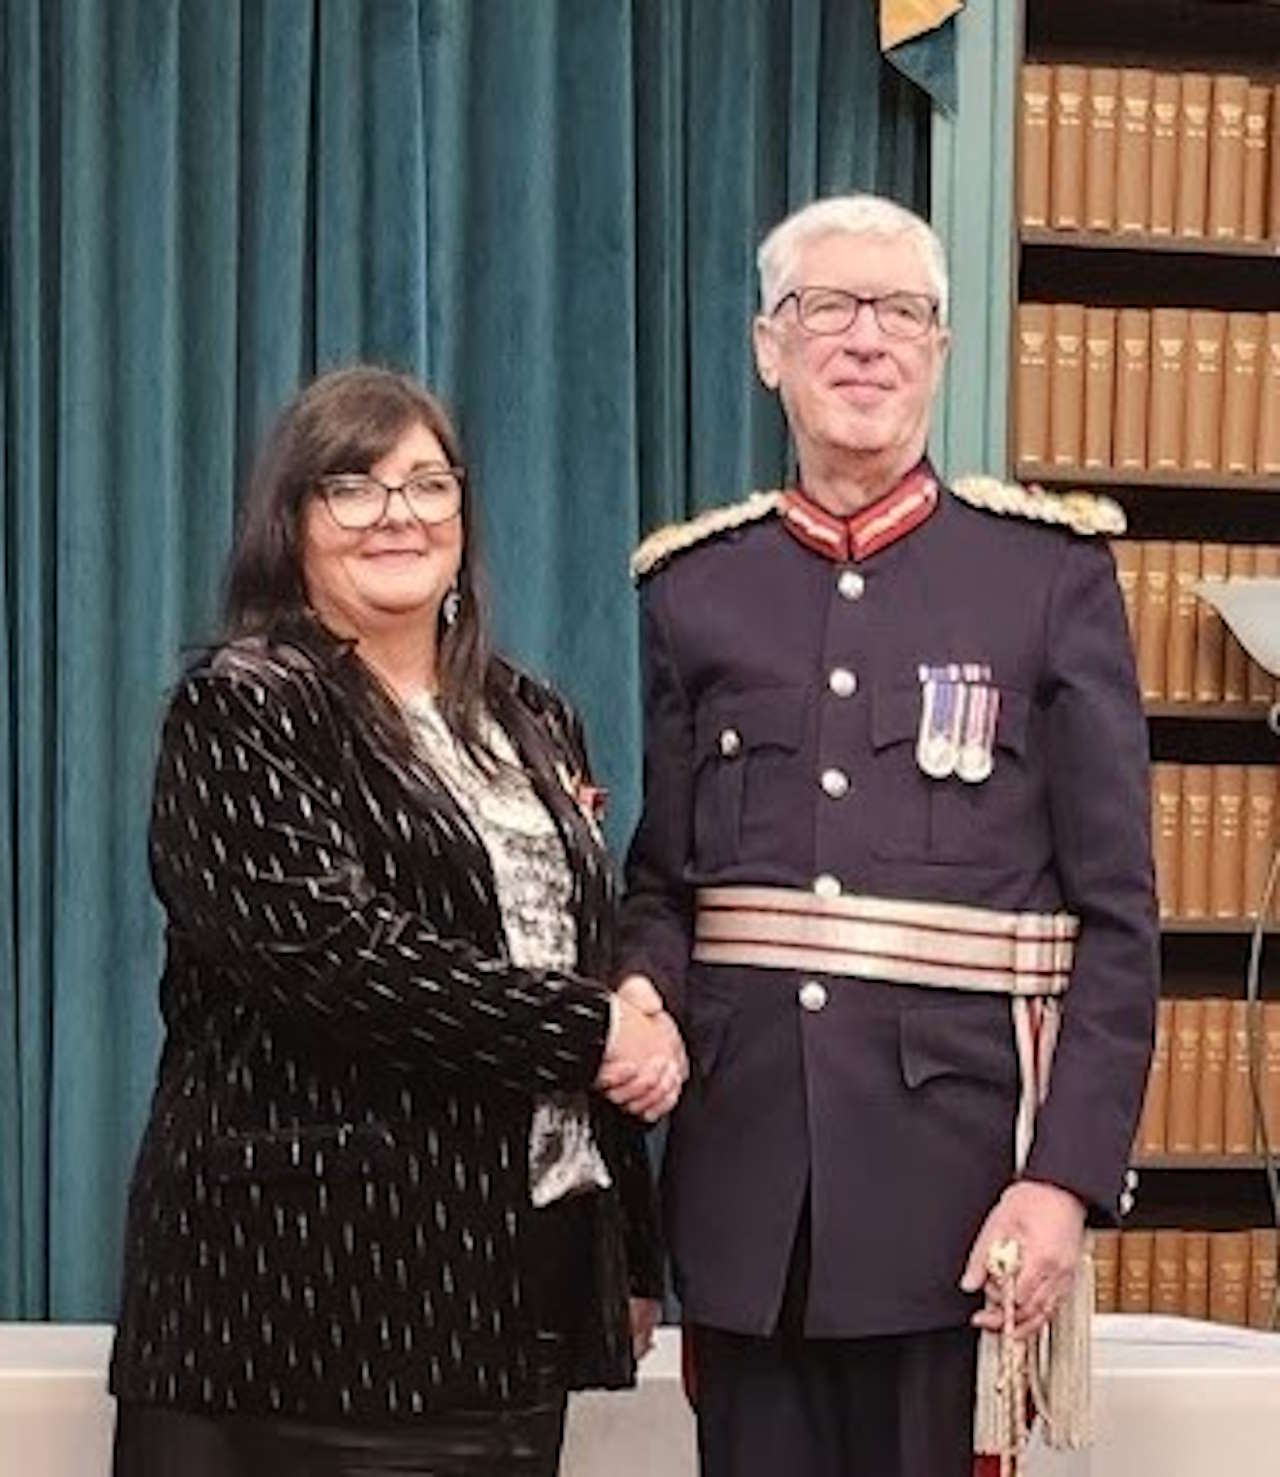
pixel 1131 150
pixel 1148 389
pixel 1225 1276
pixel 1185 653
pixel 1213 834
pixel 1199 1099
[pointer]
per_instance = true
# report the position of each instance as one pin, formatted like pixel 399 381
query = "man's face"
pixel 861 391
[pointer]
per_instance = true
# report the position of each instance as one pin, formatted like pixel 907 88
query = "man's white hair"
pixel 846 215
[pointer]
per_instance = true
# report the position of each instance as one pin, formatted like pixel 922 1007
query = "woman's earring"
pixel 452 605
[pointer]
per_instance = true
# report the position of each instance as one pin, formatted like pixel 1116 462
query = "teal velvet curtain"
pixel 548 208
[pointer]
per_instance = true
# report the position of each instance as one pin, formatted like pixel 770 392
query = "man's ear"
pixel 764 338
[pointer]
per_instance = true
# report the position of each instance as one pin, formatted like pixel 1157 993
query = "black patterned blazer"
pixel 329 1215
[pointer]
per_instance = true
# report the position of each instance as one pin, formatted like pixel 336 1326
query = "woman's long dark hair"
pixel 346 421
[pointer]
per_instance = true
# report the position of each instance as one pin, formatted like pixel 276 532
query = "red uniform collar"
pixel 869 530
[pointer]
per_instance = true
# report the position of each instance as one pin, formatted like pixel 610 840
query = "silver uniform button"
pixel 812 995
pixel 842 682
pixel 835 782
pixel 730 742
pixel 825 885
pixel 851 584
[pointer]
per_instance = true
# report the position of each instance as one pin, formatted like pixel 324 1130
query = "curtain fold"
pixel 548 210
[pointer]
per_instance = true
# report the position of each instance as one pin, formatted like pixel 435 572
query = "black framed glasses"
pixel 826 311
pixel 359 500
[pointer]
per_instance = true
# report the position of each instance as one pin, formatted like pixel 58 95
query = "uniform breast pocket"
pixel 746 744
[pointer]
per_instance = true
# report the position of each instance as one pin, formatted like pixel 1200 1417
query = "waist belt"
pixel 940 945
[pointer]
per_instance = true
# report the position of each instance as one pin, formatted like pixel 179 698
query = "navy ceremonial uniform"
pixel 787 664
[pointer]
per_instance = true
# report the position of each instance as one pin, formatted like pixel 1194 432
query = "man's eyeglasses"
pixel 830 310
pixel 359 500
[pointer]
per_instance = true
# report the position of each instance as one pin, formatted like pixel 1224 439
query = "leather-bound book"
pixel 1210 630
pixel 1167 1273
pixel 1267 460
pixel 1197 830
pixel 1153 617
pixel 1193 153
pixel 1165 96
pixel 1151 1138
pixel 1207 337
pixel 1226 158
pixel 1261 685
pixel 1262 1277
pixel 1127 553
pixel 1229 1277
pixel 1180 674
pixel 1184 1077
pixel 1066 148
pixel 1099 384
pixel 1169 330
pixel 1257 121
pixel 1133 389
pixel 1133 152
pixel 1211 1099
pixel 1066 385
pixel 1035 326
pixel 1259 833
pixel 1033 144
pixel 1226 858
pixel 1106 1270
pixel 1166 833
pixel 1235 663
pixel 1238 1130
pixel 1100 149
pixel 1135 1271
pixel 1245 333
pixel 1195 1273
pixel 1271 1070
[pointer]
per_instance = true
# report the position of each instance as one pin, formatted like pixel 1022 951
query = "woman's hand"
pixel 644 1064
pixel 645 1313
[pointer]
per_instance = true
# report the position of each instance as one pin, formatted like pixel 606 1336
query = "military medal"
pixel 941 712
pixel 977 748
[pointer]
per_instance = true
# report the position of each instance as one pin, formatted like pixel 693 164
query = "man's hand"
pixel 1047 1222
pixel 644 1064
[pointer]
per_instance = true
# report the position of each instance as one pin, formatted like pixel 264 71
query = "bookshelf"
pixel 1145 278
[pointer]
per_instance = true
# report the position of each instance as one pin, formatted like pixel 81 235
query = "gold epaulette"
pixel 662 543
pixel 1082 512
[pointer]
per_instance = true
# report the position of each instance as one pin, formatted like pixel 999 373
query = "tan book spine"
pixel 1273 191
pixel 1167 1291
pixel 1035 327
pixel 1195 1273
pixel 1197 831
pixel 1210 630
pixel 1033 144
pixel 1133 152
pixel 1226 158
pixel 1226 859
pixel 1106 1270
pixel 1133 388
pixel 1257 121
pixel 1100 149
pixel 1238 1131
pixel 1206 353
pixel 1271 1071
pixel 1235 663
pixel 1165 96
pixel 1127 553
pixel 1066 385
pixel 1262 686
pixel 1066 148
pixel 1259 833
pixel 1135 1271
pixel 1193 153
pixel 1229 1277
pixel 1267 460
pixel 1153 617
pixel 1262 1277
pixel 1241 389
pixel 1099 384
pixel 1151 1137
pixel 1184 1077
pixel 1211 1099
pixel 1180 674
pixel 1169 330
pixel 1166 833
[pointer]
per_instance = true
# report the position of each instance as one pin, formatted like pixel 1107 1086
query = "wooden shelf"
pixel 1095 479
pixel 1214 712
pixel 1211 926
pixel 1141 241
pixel 1244 1163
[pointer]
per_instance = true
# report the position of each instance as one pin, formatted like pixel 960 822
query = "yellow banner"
pixel 904 20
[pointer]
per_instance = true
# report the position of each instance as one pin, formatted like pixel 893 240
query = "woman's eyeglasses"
pixel 359 500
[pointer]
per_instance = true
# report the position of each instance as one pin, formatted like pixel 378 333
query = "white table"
pixel 1172 1397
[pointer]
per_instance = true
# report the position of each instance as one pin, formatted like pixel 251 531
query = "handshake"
pixel 645 1064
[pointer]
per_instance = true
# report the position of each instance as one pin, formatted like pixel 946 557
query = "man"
pixel 895 805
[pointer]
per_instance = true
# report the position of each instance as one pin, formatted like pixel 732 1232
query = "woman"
pixel 379 1221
